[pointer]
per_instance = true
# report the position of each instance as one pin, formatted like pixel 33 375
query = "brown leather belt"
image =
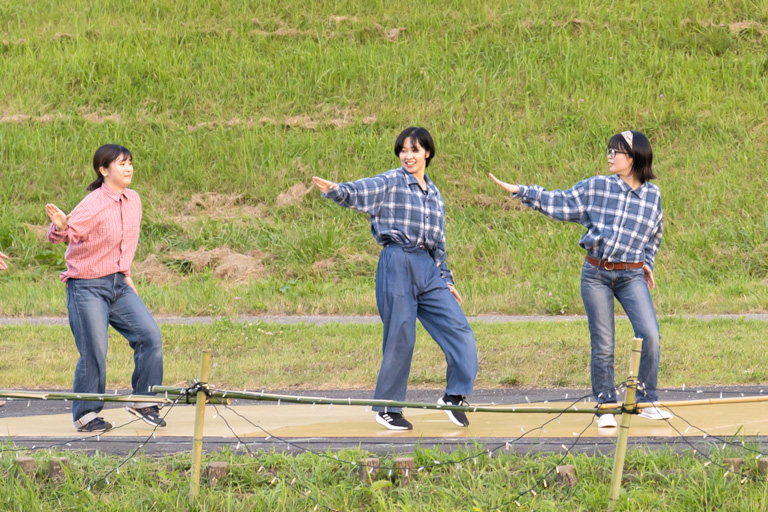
pixel 609 265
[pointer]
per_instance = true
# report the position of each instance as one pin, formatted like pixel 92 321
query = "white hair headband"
pixel 627 137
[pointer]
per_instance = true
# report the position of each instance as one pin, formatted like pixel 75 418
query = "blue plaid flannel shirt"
pixel 622 224
pixel 401 213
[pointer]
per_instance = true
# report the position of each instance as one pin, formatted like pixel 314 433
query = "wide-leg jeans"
pixel 409 286
pixel 93 305
pixel 598 289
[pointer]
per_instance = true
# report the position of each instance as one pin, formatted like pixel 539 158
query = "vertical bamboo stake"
pixel 626 418
pixel 197 445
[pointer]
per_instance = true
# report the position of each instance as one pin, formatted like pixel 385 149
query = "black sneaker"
pixel 95 425
pixel 393 421
pixel 150 415
pixel 457 417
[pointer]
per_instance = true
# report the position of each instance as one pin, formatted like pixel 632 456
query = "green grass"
pixel 345 356
pixel 163 484
pixel 249 99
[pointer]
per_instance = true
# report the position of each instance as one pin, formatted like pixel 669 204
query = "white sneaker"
pixel 654 413
pixel 606 421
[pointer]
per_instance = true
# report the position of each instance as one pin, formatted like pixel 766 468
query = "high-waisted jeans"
pixel 598 288
pixel 93 305
pixel 409 286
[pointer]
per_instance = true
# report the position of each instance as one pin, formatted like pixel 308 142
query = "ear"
pixel 103 171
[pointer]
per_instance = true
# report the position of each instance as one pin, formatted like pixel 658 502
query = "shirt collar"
pixel 113 194
pixel 640 191
pixel 411 179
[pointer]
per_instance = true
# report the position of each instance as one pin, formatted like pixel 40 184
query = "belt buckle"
pixel 612 265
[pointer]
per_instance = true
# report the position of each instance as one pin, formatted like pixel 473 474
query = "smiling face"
pixel 119 174
pixel 413 157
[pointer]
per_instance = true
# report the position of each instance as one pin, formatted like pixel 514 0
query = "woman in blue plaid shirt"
pixel 412 279
pixel 622 214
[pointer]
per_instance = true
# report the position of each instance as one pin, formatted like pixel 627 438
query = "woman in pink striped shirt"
pixel 103 232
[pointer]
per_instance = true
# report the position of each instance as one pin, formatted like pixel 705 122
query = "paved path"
pixel 44 423
pixel 328 319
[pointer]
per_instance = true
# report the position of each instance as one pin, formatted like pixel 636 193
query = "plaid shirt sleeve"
pixel 567 205
pixel 653 245
pixel 364 195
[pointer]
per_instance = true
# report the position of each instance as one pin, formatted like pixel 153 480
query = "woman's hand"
pixel 58 217
pixel 649 277
pixel 324 185
pixel 129 282
pixel 512 189
pixel 3 265
pixel 455 294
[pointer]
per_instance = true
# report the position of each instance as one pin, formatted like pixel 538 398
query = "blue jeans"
pixel 598 288
pixel 409 286
pixel 93 305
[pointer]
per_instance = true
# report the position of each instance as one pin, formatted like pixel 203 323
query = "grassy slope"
pixel 185 85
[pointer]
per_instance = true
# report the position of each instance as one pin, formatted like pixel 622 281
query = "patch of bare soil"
pixel 502 202
pixel 226 264
pixel 41 232
pixel 283 30
pixel 321 266
pixel 219 207
pixel 293 195
pixel 153 270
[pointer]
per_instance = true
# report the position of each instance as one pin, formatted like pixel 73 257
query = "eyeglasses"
pixel 613 152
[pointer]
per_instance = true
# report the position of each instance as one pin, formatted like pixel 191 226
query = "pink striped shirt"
pixel 103 233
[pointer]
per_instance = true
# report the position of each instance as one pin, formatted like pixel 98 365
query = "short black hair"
pixel 416 134
pixel 640 153
pixel 104 157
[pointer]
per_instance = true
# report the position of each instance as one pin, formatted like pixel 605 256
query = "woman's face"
pixel 119 173
pixel 413 157
pixel 619 162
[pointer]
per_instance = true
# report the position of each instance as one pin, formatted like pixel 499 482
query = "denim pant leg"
pixel 597 295
pixel 444 320
pixel 131 318
pixel 397 309
pixel 88 310
pixel 634 296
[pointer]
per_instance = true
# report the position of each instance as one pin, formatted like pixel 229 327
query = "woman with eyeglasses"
pixel 623 216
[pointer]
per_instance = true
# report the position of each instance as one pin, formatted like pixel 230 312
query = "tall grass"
pixel 242 98
pixel 299 482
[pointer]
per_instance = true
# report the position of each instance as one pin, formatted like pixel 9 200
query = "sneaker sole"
pixel 144 418
pixel 95 431
pixel 656 417
pixel 382 421
pixel 612 425
pixel 451 417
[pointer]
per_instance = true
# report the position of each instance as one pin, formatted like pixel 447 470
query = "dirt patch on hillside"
pixel 293 195
pixel 226 264
pixel 219 207
pixel 41 232
pixel 324 116
pixel 502 202
pixel 153 270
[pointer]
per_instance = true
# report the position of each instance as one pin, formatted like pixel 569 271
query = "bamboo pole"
pixel 86 397
pixel 626 418
pixel 197 445
pixel 261 396
pixel 96 397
